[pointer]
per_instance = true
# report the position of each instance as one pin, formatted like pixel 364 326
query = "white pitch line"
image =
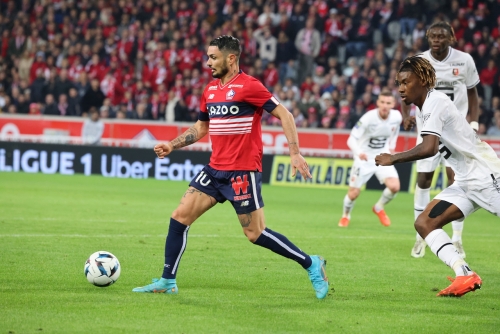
pixel 100 236
pixel 72 219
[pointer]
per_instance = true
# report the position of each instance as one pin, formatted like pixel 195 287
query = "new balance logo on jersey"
pixel 245 203
pixel 211 96
pixel 212 88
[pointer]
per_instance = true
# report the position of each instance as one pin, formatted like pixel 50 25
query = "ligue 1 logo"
pixel 230 95
pixel 455 71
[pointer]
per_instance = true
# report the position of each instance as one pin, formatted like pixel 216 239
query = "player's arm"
pixel 352 143
pixel 288 124
pixel 357 132
pixel 427 148
pixel 393 140
pixel 408 121
pixel 472 80
pixel 473 100
pixel 190 136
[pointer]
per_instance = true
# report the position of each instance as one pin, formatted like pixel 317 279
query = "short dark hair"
pixel 444 25
pixel 422 69
pixel 226 44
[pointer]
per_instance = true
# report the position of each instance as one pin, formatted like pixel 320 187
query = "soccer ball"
pixel 102 269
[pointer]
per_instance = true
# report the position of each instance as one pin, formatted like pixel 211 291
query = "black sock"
pixel 174 247
pixel 281 245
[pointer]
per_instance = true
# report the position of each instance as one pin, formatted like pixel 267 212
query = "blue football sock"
pixel 281 245
pixel 174 247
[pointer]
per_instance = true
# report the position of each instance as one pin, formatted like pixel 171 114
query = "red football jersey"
pixel 234 111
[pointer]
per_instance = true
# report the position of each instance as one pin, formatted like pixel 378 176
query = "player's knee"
pixel 180 216
pixel 424 180
pixel 393 187
pixel 252 235
pixel 353 193
pixel 421 226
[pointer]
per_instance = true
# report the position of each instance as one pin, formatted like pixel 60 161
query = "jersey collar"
pixel 230 81
pixel 445 58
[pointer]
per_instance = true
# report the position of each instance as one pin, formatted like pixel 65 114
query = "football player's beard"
pixel 223 71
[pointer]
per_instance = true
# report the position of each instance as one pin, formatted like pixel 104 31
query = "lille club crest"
pixel 455 71
pixel 230 95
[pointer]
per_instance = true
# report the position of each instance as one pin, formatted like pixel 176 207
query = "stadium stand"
pixel 145 59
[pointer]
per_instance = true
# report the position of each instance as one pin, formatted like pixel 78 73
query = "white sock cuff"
pixel 422 198
pixel 431 237
pixel 347 200
pixel 388 193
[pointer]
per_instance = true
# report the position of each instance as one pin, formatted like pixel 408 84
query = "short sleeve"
pixel 434 116
pixel 472 78
pixel 259 96
pixel 360 127
pixel 203 114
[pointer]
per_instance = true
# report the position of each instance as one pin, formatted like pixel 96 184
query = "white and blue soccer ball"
pixel 102 269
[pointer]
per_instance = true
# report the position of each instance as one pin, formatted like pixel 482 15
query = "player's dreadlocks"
pixel 227 43
pixel 422 69
pixel 444 25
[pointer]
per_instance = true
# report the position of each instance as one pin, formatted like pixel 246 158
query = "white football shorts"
pixel 430 164
pixel 486 196
pixel 362 171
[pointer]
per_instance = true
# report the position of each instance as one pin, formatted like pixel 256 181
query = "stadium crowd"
pixel 326 61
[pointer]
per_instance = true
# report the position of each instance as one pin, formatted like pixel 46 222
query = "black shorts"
pixel 241 188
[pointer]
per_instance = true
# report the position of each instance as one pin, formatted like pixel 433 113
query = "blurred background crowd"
pixel 326 61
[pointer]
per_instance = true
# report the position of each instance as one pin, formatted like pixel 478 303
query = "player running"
pixel 476 167
pixel 230 111
pixel 376 132
pixel 457 77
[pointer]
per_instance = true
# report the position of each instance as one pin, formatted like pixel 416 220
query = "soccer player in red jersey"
pixel 230 111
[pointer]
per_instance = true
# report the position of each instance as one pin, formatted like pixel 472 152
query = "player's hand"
pixel 383 159
pixel 300 164
pixel 409 123
pixel 163 149
pixel 363 156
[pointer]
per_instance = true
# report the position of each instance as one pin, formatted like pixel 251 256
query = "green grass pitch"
pixel 50 224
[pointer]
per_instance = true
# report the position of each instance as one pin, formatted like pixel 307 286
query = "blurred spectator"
pixel 34 109
pixel 50 106
pixel 267 45
pixel 487 77
pixel 17 44
pixel 312 117
pixel 308 43
pixel 494 130
pixel 412 14
pixel 93 97
pixel 307 102
pixel 23 105
pixel 360 37
pixel 181 112
pixel 92 128
pixel 299 118
pixel 169 111
pixel 74 108
pixel 24 67
pixel 62 84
